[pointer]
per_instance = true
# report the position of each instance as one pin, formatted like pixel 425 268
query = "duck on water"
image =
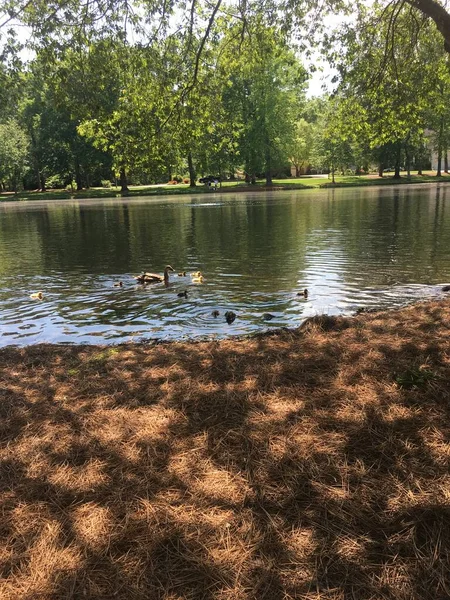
pixel 155 277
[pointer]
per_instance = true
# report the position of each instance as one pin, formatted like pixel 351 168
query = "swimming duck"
pixel 118 284
pixel 182 294
pixel 198 279
pixel 37 296
pixel 182 274
pixel 304 293
pixel 154 277
pixel 215 313
pixel 446 288
pixel 196 274
pixel 230 316
pixel 268 317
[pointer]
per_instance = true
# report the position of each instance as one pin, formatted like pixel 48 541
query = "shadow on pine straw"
pixel 286 466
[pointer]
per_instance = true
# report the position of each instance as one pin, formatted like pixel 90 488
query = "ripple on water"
pixel 349 250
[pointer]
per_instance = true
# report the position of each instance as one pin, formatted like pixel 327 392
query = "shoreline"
pixel 243 337
pixel 151 191
pixel 308 463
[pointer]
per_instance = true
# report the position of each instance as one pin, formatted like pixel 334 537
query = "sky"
pixel 320 81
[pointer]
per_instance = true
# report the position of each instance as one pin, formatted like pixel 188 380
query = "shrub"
pixel 106 183
pixel 54 182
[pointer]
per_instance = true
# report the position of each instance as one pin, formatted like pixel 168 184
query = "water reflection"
pixel 349 247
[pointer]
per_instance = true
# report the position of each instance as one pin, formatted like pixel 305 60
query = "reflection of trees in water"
pixel 401 230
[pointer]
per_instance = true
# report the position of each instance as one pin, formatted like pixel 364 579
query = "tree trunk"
pixel 440 145
pixel 397 163
pixel 78 180
pixel 408 164
pixel 380 169
pixel 192 173
pixel 268 164
pixel 419 164
pixel 439 15
pixel 124 190
pixel 42 182
pixel 446 160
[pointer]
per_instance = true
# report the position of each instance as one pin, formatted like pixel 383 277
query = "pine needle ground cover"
pixel 311 464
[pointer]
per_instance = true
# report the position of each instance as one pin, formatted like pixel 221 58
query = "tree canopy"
pixel 154 90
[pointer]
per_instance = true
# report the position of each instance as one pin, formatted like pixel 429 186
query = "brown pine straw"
pixel 311 464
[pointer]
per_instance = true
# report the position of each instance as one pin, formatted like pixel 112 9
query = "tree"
pixel 301 149
pixel 385 100
pixel 14 146
pixel 265 92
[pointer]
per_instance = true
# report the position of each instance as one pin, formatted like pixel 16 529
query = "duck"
pixel 182 294
pixel 196 274
pixel 198 279
pixel 118 284
pixel 230 316
pixel 215 313
pixel 304 293
pixel 182 274
pixel 446 288
pixel 155 277
pixel 37 296
pixel 268 317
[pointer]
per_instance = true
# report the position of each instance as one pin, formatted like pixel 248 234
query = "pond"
pixel 351 248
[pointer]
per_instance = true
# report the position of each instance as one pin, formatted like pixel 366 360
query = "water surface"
pixel 351 248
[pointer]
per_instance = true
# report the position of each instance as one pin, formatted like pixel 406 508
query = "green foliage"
pixel 112 89
pixel 415 377
pixel 14 146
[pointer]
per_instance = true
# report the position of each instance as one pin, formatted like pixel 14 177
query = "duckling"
pixel 154 277
pixel 230 316
pixel 198 279
pixel 268 316
pixel 446 288
pixel 196 274
pixel 182 294
pixel 304 293
pixel 182 274
pixel 118 284
pixel 37 296
pixel 215 313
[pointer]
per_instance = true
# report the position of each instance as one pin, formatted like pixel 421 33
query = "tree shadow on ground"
pixel 286 466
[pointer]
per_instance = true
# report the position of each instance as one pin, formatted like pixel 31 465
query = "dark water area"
pixel 351 248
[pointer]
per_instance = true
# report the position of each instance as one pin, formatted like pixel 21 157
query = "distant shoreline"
pixel 306 183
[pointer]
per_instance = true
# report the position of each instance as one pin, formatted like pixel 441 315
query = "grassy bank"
pixel 229 186
pixel 311 465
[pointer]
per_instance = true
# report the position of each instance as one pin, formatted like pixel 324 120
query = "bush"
pixel 106 183
pixel 55 182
